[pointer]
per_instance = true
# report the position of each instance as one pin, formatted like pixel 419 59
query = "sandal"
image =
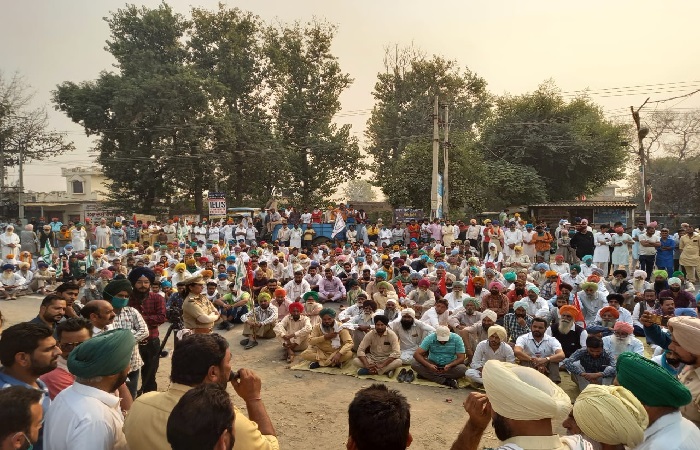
pixel 250 345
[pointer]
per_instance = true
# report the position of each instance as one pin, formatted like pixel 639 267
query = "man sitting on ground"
pixel 570 335
pixel 540 351
pixel 440 358
pixel 260 322
pixel 495 347
pixel 622 340
pixel 330 343
pixel 379 352
pixel 591 364
pixel 411 333
pixel 293 331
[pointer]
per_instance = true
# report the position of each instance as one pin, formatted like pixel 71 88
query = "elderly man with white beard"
pixel 411 333
pixel 570 335
pixel 390 310
pixel 591 301
pixel 622 340
pixel 615 301
pixel 456 297
pixel 619 284
pixel 467 315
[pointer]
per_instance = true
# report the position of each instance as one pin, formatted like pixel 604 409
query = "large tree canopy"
pixel 216 101
pixel 400 129
pixel 568 146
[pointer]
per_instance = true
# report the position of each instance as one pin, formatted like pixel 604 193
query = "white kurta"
pixel 602 249
pixel 102 236
pixel 621 254
pixel 6 240
pixel 84 417
pixel 671 431
pixel 78 237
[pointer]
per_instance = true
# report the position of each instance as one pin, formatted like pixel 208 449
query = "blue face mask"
pixel 119 302
pixel 31 446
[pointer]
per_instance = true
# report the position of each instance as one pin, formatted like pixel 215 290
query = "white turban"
pixel 522 393
pixel 639 274
pixel 674 280
pixel 491 314
pixel 611 415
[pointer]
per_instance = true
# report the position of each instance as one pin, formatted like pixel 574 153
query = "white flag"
pixel 339 225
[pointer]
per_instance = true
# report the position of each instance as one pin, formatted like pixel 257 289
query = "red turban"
pixel 623 327
pixel 296 306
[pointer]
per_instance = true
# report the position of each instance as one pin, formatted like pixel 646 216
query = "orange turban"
pixel 568 309
pixel 611 310
pixel 551 273
pixel 279 292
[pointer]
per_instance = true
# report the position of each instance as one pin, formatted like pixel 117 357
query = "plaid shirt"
pixel 604 363
pixel 152 309
pixel 514 329
pixel 130 319
pixel 498 304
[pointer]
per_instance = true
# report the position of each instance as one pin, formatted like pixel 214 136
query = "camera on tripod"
pixel 174 316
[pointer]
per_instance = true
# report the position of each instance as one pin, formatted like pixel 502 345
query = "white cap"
pixel 443 333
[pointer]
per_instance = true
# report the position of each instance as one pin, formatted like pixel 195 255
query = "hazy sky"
pixel 515 45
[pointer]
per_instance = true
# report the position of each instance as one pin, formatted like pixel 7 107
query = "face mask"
pixel 119 302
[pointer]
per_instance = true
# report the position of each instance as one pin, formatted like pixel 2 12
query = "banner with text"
pixel 217 205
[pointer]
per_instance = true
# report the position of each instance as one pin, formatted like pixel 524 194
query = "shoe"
pixel 390 373
pixel 221 326
pixel 363 371
pixel 314 365
pixel 402 376
pixel 250 345
pixel 245 341
pixel 452 383
pixel 409 377
pixel 228 325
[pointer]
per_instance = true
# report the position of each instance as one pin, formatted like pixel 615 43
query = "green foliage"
pixel 569 147
pixel 306 82
pixel 219 101
pixel 359 191
pixel 402 118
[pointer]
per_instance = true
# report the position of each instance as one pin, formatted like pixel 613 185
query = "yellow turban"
pixel 499 330
pixel 522 393
pixel 611 415
pixel 686 331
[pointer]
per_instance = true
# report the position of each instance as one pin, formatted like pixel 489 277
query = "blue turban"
pixel 139 272
pixel 520 304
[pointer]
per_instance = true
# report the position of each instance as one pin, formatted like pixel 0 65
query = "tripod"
pixel 174 315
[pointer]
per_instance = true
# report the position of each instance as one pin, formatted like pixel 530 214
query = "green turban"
pixel 106 354
pixel 383 284
pixel 327 312
pixel 510 276
pixel 589 285
pixel 649 382
pixel 660 273
pixel 678 274
pixel 310 294
pixel 473 300
pixel 575 267
pixel 116 286
pixel 264 296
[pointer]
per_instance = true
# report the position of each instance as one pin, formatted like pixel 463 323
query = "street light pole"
pixel 641 134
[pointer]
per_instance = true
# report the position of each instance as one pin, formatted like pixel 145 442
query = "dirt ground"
pixel 307 407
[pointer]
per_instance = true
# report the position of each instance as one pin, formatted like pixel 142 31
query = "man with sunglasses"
pixel 70 334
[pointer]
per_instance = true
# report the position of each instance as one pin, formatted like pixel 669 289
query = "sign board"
pixel 610 216
pixel 403 215
pixel 440 193
pixel 217 205
pixel 96 211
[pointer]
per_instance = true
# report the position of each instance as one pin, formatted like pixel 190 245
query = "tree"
pixel 402 116
pixel 568 147
pixel 24 129
pixel 359 191
pixel 152 117
pixel 306 82
pixel 675 184
pixel 674 133
pixel 227 47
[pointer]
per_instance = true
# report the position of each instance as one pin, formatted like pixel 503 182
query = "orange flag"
pixel 442 286
pixel 579 317
pixel 401 292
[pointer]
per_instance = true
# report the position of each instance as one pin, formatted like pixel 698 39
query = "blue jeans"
pixel 646 263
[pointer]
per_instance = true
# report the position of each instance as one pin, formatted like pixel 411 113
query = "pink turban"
pixel 652 224
pixel 623 327
pixel 496 285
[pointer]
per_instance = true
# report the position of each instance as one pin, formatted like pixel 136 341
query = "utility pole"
pixel 20 196
pixel 2 178
pixel 641 134
pixel 446 170
pixel 436 149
